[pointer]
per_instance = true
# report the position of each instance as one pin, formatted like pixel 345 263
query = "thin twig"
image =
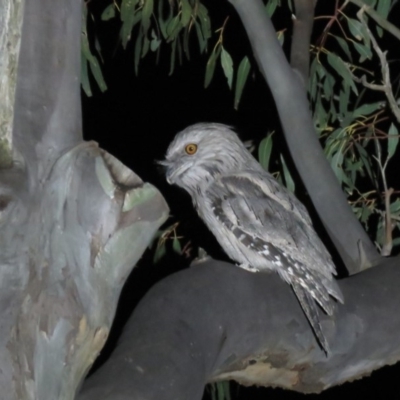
pixel 387 85
pixel 383 22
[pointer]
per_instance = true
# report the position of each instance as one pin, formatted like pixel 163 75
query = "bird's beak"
pixel 169 171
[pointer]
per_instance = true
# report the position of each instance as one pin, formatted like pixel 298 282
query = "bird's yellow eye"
pixel 191 148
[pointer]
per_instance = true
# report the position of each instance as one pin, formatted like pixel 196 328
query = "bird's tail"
pixel 311 310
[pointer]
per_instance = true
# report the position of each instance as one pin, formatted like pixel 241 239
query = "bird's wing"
pixel 255 205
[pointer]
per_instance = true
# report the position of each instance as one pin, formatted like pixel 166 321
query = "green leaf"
pixel 288 177
pixel 264 151
pixel 340 67
pixel 241 78
pixel 336 164
pixel 155 41
pixel 271 7
pixel 320 114
pixel 173 28
pixel 345 47
pixel 356 28
pixel 227 66
pixel 108 13
pixel 186 12
pixel 138 50
pixel 127 9
pixel 205 22
pixel 146 46
pixel 176 245
pixel 393 140
pixel 173 56
pixel 186 47
pixel 163 23
pixel 85 77
pixel 365 159
pixel 383 8
pixel 367 109
pixel 159 253
pixel 127 26
pixel 210 67
pixel 344 101
pixel 281 37
pixel 364 51
pixel 98 75
pixel 328 85
pixel 223 391
pixel 200 37
pixel 147 12
pixel 92 60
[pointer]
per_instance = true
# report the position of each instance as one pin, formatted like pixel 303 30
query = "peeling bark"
pixel 73 219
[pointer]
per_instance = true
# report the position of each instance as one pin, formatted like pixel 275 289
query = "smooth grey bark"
pixel 73 221
pixel 215 322
pixel 10 35
pixel 303 23
pixel 348 236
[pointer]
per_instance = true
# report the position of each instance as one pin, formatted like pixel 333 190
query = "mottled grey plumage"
pixel 260 224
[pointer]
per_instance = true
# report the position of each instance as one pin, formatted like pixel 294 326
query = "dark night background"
pixel 137 117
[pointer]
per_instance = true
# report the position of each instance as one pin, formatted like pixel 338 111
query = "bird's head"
pixel 203 151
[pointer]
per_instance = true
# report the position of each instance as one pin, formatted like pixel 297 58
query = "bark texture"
pixel 215 321
pixel 73 222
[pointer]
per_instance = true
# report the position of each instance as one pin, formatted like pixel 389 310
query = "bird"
pixel 260 224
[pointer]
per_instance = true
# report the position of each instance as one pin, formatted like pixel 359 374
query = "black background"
pixel 137 117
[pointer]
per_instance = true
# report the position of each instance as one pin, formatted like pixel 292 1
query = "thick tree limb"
pixel 303 23
pixel 47 117
pixel 351 241
pixel 11 12
pixel 214 321
pixel 73 219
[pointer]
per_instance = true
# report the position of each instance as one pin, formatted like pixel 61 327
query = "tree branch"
pixel 48 89
pixel 383 22
pixel 351 241
pixel 387 84
pixel 302 28
pixel 11 13
pixel 216 322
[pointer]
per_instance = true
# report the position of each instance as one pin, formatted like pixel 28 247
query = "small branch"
pixel 388 245
pixel 302 28
pixel 384 23
pixel 388 240
pixel 292 104
pixel 387 85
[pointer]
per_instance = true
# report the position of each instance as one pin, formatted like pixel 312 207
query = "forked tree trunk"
pixel 74 220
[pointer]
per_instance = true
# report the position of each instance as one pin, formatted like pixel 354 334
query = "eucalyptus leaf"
pixel 241 78
pixel 393 140
pixel 367 109
pixel 227 66
pixel 270 7
pixel 186 12
pixel 147 11
pixel 108 13
pixel 340 67
pixel 364 51
pixel 345 47
pixel 176 245
pixel 356 28
pixel 210 67
pixel 289 182
pixel 264 151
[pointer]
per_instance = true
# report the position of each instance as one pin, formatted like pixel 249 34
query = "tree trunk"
pixel 74 220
